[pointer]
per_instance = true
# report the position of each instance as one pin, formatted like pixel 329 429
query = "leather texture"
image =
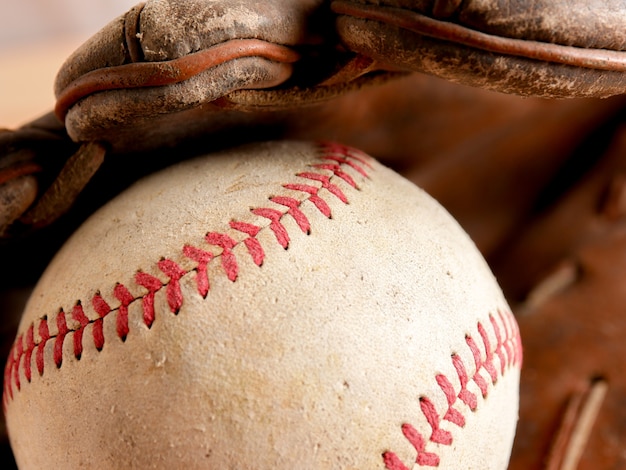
pixel 536 182
pixel 574 379
pixel 174 71
pixel 527 48
pixel 307 342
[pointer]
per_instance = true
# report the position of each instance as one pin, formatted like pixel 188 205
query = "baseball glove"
pixel 530 179
pixel 572 412
pixel 177 71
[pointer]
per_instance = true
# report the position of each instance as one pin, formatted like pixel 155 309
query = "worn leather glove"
pixel 172 78
pixel 171 72
pixel 571 261
pixel 539 48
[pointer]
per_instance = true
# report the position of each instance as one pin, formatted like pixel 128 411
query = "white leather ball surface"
pixel 278 306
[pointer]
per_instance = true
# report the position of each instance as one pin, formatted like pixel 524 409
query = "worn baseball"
pixel 279 306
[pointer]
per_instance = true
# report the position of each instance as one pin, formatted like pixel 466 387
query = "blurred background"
pixel 35 38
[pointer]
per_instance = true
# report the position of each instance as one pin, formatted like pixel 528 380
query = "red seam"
pixel 345 155
pixel 337 171
pixel 30 346
pixel 326 184
pixel 154 285
pixel 97 328
pixel 20 353
pixel 320 203
pixel 294 211
pixel 437 434
pixel 453 415
pixel 44 334
pixel 275 217
pixel 60 338
pixel 509 353
pixel 173 293
pixel 393 462
pixel 25 345
pixel 229 261
pixel 202 258
pixel 126 298
pixel 467 397
pixel 79 315
pixel 251 243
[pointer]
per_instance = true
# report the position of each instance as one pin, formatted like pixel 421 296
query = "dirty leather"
pixel 532 180
pixel 551 49
pixel 173 71
pixel 572 321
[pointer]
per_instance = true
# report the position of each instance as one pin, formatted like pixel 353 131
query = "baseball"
pixel 278 306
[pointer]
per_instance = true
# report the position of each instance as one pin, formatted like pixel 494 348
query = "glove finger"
pixel 166 30
pixel 526 48
pixel 113 115
pixel 181 55
pixel 16 196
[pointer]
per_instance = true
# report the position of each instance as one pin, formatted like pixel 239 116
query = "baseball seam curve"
pixel 508 352
pixel 332 163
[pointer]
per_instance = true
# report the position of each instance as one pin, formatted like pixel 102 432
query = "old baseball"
pixel 278 306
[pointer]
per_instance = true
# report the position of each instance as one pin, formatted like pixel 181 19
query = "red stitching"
pixel 79 315
pixel 437 435
pixel 392 462
pixel 60 337
pixel 321 205
pixel 294 211
pixel 499 352
pixel 275 217
pixel 172 292
pixel 252 244
pixel 347 156
pixel 154 285
pixel 326 184
pixel 229 262
pixel 453 415
pixel 478 364
pixel 102 309
pixel 30 344
pixel 337 171
pixel 509 353
pixel 467 397
pixel 126 298
pixel 334 158
pixel 44 335
pixel 202 258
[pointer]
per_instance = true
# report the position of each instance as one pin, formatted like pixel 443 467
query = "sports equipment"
pixel 279 305
pixel 178 70
pixel 175 78
pixel 573 324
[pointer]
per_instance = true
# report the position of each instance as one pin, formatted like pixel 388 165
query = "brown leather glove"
pixel 188 78
pixel 539 48
pixel 175 71
pixel 171 71
pixel 573 389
